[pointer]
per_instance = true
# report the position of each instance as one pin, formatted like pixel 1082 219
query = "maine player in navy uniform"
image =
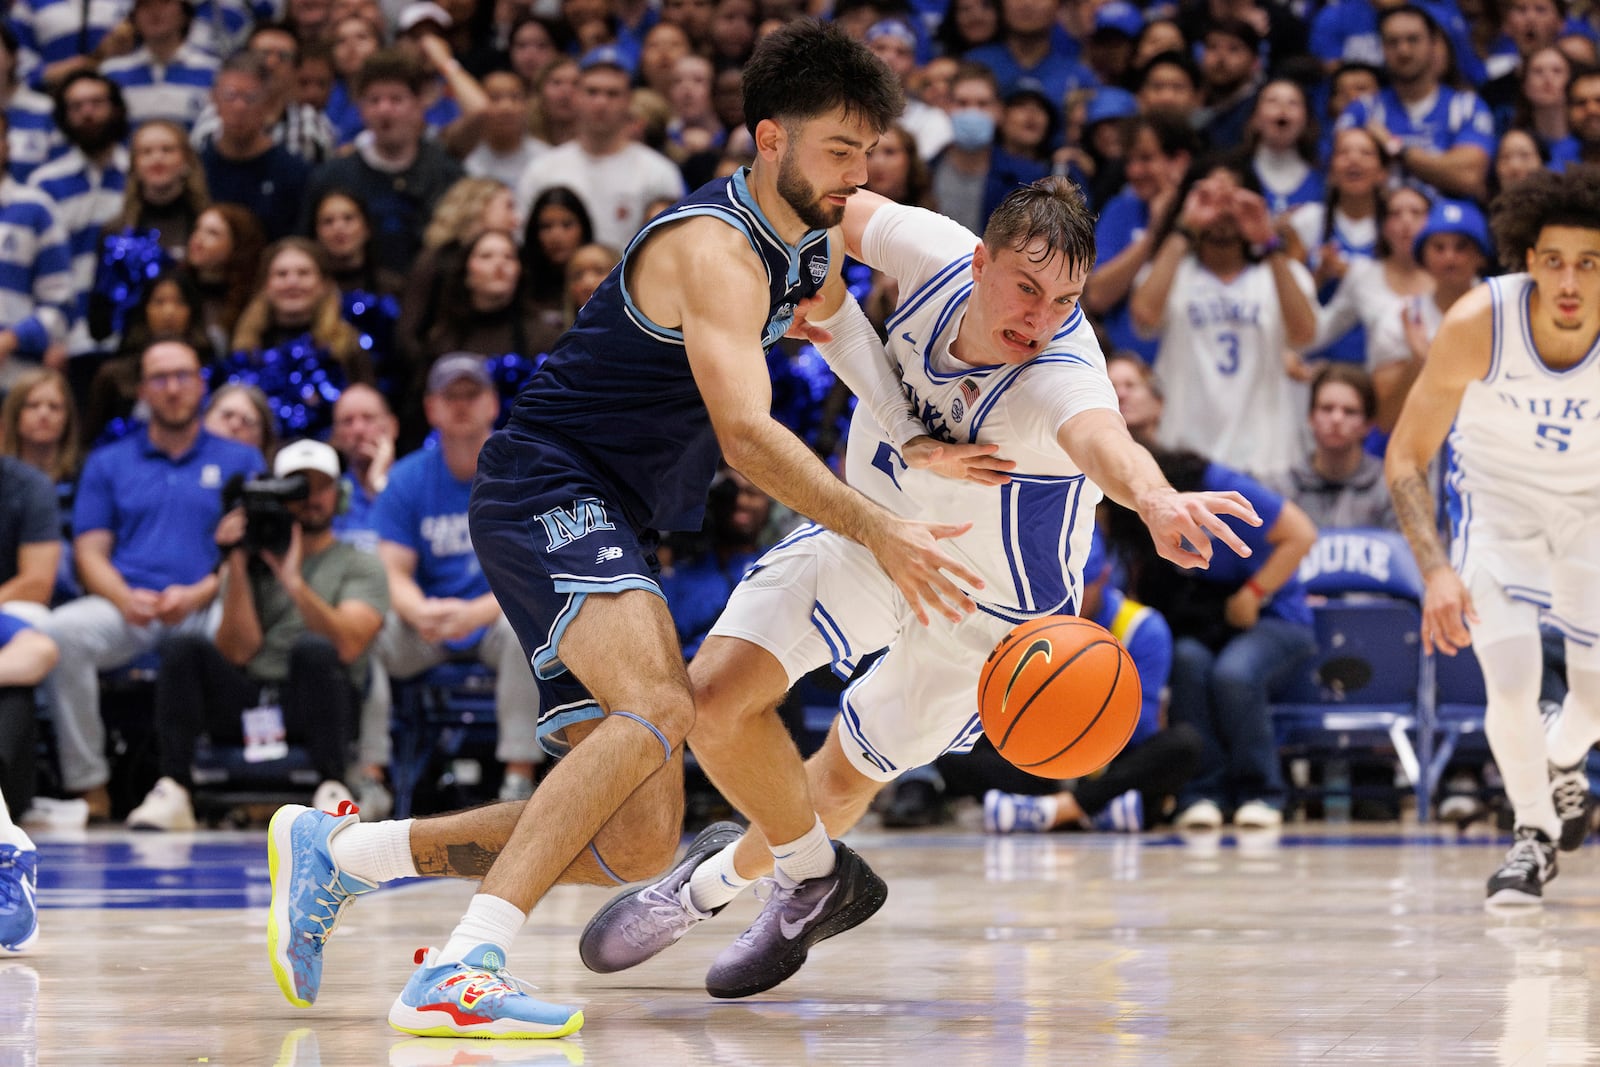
pixel 616 439
pixel 1513 378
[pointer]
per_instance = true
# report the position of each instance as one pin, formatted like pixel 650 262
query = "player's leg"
pixel 1506 641
pixel 1575 608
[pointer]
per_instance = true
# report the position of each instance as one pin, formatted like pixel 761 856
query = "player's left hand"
pixel 802 329
pixel 962 463
pixel 1183 524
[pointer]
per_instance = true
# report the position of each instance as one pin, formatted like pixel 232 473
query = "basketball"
pixel 1059 697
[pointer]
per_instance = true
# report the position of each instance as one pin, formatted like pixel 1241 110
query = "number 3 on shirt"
pixel 1229 363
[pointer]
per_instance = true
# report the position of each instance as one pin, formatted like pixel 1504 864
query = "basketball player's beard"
pixel 803 199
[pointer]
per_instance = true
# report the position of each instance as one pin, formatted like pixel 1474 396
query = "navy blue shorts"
pixel 546 538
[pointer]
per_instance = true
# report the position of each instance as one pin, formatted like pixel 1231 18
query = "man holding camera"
pixel 290 656
pixel 146 508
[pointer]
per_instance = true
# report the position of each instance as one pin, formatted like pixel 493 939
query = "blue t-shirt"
pixel 1058 73
pixel 162 511
pixel 1289 602
pixel 1122 222
pixel 1456 118
pixel 10 626
pixel 424 508
pixel 698 590
pixel 354 525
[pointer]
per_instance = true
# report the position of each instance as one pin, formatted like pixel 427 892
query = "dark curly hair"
pixel 807 69
pixel 1543 199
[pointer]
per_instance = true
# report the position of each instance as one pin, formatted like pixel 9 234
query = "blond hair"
pixel 68 449
pixel 194 194
pixel 459 214
pixel 328 328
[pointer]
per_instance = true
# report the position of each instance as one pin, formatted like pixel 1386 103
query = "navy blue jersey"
pixel 618 391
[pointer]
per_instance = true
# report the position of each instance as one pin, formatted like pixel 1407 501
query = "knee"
pixel 312 654
pixel 646 850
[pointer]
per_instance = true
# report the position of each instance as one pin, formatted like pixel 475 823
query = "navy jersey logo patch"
pixel 819 269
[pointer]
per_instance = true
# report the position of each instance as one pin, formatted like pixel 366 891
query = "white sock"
pixel 489 920
pixel 377 851
pixel 811 856
pixel 715 882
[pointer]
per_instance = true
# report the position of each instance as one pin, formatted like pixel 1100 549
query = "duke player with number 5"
pixel 616 439
pixel 1227 301
pixel 1513 378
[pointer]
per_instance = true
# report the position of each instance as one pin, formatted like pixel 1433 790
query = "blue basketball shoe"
pixel 309 895
pixel 475 997
pixel 19 884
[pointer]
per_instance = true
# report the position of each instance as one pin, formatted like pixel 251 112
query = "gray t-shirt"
pixel 28 513
pixel 960 196
pixel 339 573
pixel 1360 500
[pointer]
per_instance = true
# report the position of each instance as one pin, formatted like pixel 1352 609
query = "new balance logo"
pixel 606 555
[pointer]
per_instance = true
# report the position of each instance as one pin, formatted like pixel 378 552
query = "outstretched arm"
pixel 1181 524
pixel 1459 355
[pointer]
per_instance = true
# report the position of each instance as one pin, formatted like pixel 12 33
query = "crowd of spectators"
pixel 226 224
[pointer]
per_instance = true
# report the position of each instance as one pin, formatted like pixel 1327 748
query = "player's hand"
pixel 962 463
pixel 802 329
pixel 1446 611
pixel 909 553
pixel 1183 524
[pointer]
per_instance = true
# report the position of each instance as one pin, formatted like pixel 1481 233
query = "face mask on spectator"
pixel 974 128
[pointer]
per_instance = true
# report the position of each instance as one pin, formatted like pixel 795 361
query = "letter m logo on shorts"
pixel 565 525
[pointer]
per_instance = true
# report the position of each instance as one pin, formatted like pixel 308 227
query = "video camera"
pixel 268 522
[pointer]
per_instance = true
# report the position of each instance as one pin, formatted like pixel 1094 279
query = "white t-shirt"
pixel 616 188
pixel 507 168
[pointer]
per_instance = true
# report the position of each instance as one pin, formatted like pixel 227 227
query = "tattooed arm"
pixel 1459 355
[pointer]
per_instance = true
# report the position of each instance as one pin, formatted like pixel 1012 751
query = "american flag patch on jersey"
pixel 969 391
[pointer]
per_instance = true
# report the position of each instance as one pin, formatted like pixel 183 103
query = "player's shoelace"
pixel 494 983
pixel 665 910
pixel 1527 858
pixel 338 898
pixel 770 892
pixel 1570 791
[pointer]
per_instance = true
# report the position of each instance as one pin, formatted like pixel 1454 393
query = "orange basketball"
pixel 1059 696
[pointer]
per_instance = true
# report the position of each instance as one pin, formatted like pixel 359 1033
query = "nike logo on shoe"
pixel 792 930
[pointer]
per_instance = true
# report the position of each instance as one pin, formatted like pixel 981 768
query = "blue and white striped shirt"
pixel 177 92
pixel 36 296
pixel 49 31
pixel 87 197
pixel 33 138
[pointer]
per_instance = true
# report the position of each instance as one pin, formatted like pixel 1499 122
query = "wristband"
pixel 1267 247
pixel 1255 587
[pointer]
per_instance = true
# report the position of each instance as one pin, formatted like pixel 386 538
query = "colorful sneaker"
pixel 794 919
pixel 1569 789
pixel 638 923
pixel 19 885
pixel 1017 813
pixel 309 895
pixel 1527 867
pixel 1124 815
pixel 475 998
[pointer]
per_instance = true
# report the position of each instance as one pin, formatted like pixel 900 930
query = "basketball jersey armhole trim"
pixel 638 317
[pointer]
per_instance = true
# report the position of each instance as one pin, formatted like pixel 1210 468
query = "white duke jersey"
pixel 1228 394
pixel 1528 428
pixel 1029 538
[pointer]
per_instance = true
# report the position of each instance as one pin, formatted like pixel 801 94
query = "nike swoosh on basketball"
pixel 792 930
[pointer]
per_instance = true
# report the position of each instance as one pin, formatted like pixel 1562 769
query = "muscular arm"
pixel 239 630
pixel 1461 171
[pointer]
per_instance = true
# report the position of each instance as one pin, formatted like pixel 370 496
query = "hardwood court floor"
pixel 1371 947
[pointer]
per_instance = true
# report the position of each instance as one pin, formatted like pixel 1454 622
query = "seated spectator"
pixel 37 299
pixel 961 174
pixel 343 230
pixel 966 24
pixel 1034 44
pixel 223 258
pixel 694 129
pixel 143 521
pixel 354 38
pixel 1339 483
pixel 586 269
pixel 293 342
pixel 289 658
pixel 1283 147
pixel 895 42
pixel 1454 248
pixel 165 77
pixel 1241 628
pixel 303 131
pixel 168 307
pixel 30 542
pixel 26 657
pixel 31 134
pixel 615 175
pixel 533 42
pixel 242 413
pixel 1168 81
pixel 243 164
pixel 86 181
pixel 1518 155
pixel 1371 290
pixel 1226 300
pixel 558 225
pixel 453 102
pixel 443 608
pixel 555 104
pixel 364 434
pixel 39 426
pixel 1139 395
pixel 1133 791
pixel 1230 76
pixel 395 171
pixel 506 148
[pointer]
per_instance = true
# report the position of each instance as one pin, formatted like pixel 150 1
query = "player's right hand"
pixel 909 553
pixel 962 463
pixel 1446 611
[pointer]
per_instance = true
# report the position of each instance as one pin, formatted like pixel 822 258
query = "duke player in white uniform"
pixel 991 349
pixel 1513 377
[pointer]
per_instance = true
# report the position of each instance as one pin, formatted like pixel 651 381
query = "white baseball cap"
pixel 306 455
